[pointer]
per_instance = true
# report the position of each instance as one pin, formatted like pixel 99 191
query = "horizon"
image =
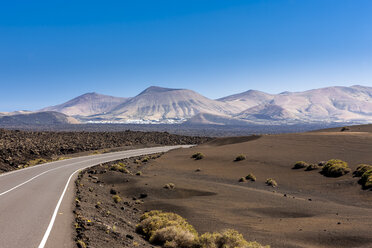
pixel 53 52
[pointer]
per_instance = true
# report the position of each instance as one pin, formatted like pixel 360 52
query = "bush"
pixel 172 231
pixel 335 168
pixel 271 182
pixel 251 177
pixel 300 165
pixel 120 167
pixel 197 156
pixel 311 167
pixel 116 198
pixel 361 169
pixel 139 173
pixel 240 158
pixel 169 186
pixel 366 179
pixel 145 159
pixel 167 229
pixel 228 238
pixel 242 180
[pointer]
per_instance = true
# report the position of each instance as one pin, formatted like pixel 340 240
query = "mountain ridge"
pixel 167 105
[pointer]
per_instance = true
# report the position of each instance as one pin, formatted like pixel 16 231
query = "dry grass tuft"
pixel 198 156
pixel 271 182
pixel 335 168
pixel 240 158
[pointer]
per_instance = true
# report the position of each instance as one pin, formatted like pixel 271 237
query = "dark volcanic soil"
pixel 99 221
pixel 18 147
pixel 307 209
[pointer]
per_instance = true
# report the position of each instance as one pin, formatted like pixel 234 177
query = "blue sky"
pixel 52 51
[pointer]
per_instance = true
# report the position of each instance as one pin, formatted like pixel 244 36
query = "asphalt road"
pixel 30 198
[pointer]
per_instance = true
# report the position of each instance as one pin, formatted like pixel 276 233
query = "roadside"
pixel 104 216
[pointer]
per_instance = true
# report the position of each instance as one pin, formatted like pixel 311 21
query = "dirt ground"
pixel 307 209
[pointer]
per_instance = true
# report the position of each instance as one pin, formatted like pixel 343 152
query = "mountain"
pixel 87 105
pixel 163 105
pixel 248 99
pixel 38 118
pixel 156 103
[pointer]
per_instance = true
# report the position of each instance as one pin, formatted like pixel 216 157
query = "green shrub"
pixel 227 239
pixel 167 229
pixel 240 158
pixel 311 167
pixel 251 177
pixel 139 173
pixel 116 198
pixel 335 168
pixel 361 169
pixel 145 159
pixel 300 165
pixel 366 179
pixel 197 156
pixel 271 182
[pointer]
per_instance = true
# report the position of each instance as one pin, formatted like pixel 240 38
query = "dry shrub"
pixel 172 231
pixel 197 156
pixel 311 167
pixel 271 182
pixel 335 168
pixel 168 229
pixel 240 158
pixel 366 179
pixel 361 169
pixel 116 198
pixel 300 165
pixel 120 167
pixel 227 239
pixel 251 177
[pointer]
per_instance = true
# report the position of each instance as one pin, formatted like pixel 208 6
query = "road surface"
pixel 30 199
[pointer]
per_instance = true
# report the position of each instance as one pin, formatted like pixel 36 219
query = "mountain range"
pixel 164 105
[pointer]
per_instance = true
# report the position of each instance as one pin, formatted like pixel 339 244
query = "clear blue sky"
pixel 52 51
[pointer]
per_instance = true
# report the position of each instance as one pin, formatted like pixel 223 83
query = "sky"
pixel 53 51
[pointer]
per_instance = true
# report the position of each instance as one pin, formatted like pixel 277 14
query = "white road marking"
pixel 29 180
pixel 51 223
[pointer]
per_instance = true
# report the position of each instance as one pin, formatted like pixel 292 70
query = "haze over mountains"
pixel 163 105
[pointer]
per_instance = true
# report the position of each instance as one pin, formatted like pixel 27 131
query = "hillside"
pixel 87 104
pixel 38 118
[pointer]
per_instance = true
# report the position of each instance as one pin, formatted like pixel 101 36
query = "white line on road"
pixel 29 180
pixel 50 226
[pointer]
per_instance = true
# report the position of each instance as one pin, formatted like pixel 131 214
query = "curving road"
pixel 30 198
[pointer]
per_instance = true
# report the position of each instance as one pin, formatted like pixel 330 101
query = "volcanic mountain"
pixel 87 105
pixel 163 105
pixel 156 103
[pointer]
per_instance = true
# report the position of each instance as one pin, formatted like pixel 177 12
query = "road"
pixel 30 198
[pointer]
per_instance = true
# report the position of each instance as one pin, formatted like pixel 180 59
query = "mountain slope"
pixel 38 118
pixel 248 99
pixel 156 103
pixel 87 104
